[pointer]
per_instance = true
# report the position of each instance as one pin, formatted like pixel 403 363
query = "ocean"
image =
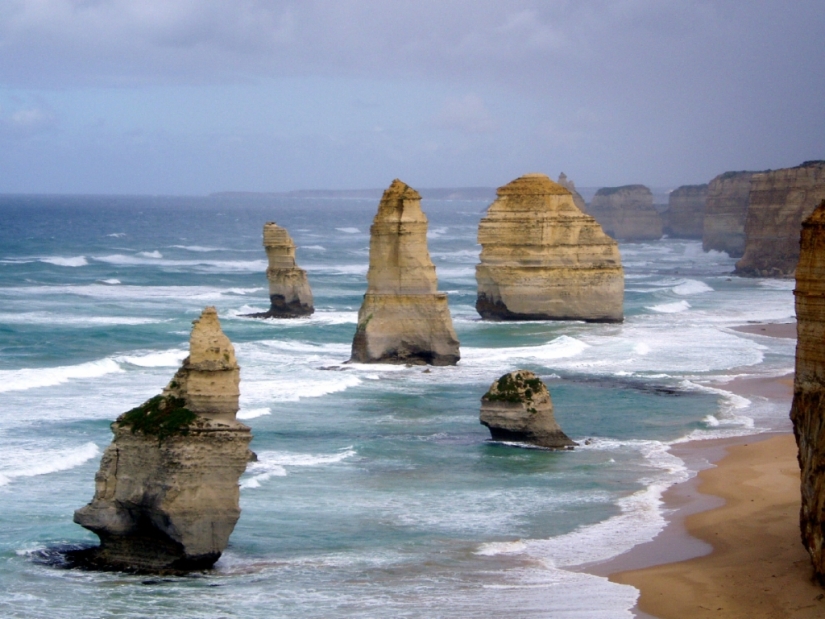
pixel 377 493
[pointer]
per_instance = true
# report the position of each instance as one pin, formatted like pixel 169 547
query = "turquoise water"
pixel 377 493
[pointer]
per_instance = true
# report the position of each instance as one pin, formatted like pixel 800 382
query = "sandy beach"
pixel 732 548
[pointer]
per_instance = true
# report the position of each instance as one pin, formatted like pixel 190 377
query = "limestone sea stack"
pixel 166 495
pixel 570 186
pixel 808 409
pixel 779 201
pixel 289 293
pixel 403 318
pixel 723 228
pixel 627 213
pixel 686 211
pixel 518 408
pixel 543 259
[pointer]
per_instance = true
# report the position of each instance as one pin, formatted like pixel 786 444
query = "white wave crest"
pixel 163 359
pixel 671 308
pixel 252 413
pixel 49 462
pixel 348 230
pixel 273 464
pixel 692 286
pixel 75 261
pixel 33 378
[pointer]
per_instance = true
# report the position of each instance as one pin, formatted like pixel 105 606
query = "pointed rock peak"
pixel 209 348
pixel 534 184
pixel 399 201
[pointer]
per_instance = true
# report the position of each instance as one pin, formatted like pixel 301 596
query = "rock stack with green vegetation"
pixel 166 495
pixel 518 408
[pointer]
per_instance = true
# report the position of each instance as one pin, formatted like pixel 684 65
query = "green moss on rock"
pixel 159 416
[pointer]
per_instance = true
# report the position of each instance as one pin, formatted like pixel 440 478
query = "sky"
pixel 199 96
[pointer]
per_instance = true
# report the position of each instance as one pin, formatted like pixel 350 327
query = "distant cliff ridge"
pixel 723 228
pixel 779 201
pixel 627 213
pixel 686 212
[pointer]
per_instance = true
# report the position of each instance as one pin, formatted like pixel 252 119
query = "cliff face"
pixel 808 409
pixel 627 213
pixel 403 318
pixel 779 201
pixel 725 213
pixel 543 259
pixel 570 186
pixel 686 211
pixel 166 494
pixel 518 408
pixel 289 293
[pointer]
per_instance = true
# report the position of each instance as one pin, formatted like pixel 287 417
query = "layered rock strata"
pixel 570 186
pixel 778 203
pixel 543 259
pixel 403 318
pixel 726 210
pixel 627 213
pixel 518 408
pixel 166 494
pixel 808 409
pixel 686 212
pixel 289 293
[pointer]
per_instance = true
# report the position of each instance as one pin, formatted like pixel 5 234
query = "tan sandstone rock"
pixel 726 210
pixel 778 203
pixel 289 293
pixel 808 409
pixel 403 318
pixel 166 495
pixel 543 259
pixel 686 212
pixel 627 213
pixel 518 408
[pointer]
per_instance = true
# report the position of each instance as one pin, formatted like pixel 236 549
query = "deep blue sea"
pixel 377 492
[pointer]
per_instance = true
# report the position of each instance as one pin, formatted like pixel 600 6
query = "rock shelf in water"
pixel 403 318
pixel 543 259
pixel 518 408
pixel 166 494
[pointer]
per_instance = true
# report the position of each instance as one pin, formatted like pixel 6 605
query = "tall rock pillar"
pixel 543 259
pixel 289 293
pixel 166 495
pixel 403 319
pixel 808 409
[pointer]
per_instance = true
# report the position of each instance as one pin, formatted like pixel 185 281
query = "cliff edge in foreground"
pixel 808 409
pixel 403 318
pixel 166 495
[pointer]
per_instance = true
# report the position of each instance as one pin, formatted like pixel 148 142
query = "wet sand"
pixel 732 546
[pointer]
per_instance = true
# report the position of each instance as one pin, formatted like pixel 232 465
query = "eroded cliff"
pixel 808 409
pixel 779 201
pixel 627 213
pixel 166 494
pixel 518 408
pixel 726 210
pixel 289 293
pixel 403 318
pixel 543 259
pixel 686 212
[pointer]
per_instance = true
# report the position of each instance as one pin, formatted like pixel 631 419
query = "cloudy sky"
pixel 195 96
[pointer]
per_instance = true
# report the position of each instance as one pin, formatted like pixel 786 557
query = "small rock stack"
pixel 686 211
pixel 403 318
pixel 627 213
pixel 289 293
pixel 166 495
pixel 518 408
